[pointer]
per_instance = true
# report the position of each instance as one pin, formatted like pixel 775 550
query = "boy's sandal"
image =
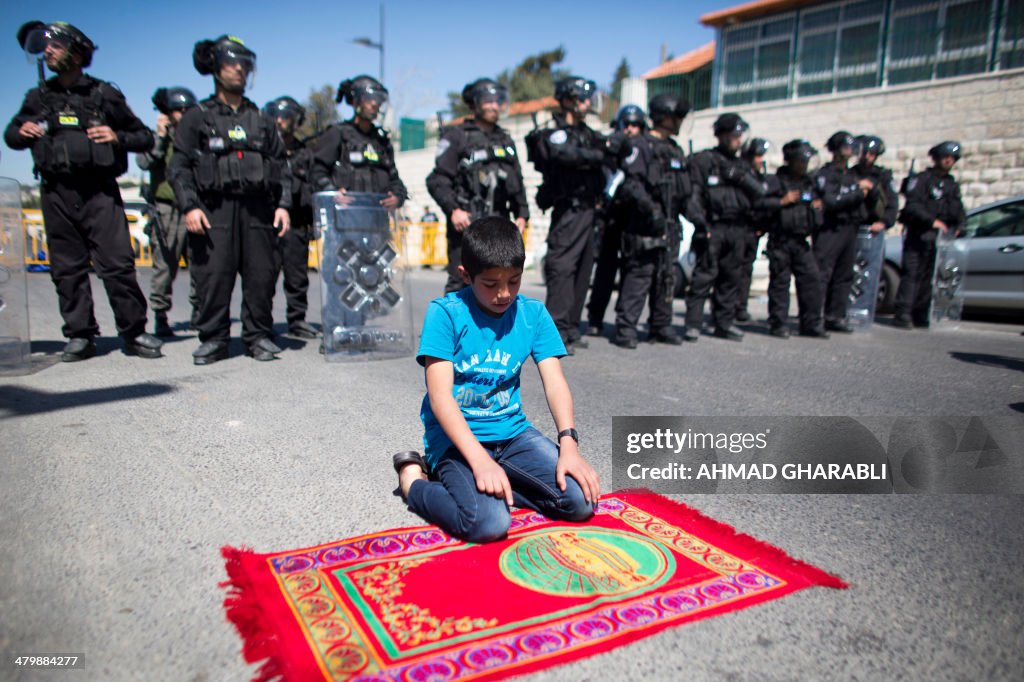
pixel 401 459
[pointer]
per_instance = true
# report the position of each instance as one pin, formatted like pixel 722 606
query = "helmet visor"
pixel 230 56
pixel 492 94
pixel 370 101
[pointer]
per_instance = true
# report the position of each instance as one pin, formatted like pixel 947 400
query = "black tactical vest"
pixel 801 218
pixel 487 176
pixel 364 161
pixel 232 157
pixel 669 175
pixel 66 148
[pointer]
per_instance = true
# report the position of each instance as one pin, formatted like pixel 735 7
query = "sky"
pixel 431 48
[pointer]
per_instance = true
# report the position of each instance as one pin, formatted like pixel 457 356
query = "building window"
pixel 758 60
pixel 939 39
pixel 1011 38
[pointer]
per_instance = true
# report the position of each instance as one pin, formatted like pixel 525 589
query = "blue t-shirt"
pixel 487 354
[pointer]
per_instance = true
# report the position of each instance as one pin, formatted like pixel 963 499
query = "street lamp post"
pixel 379 46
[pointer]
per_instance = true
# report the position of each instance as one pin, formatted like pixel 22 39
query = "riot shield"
pixel 366 309
pixel 948 282
pixel 15 351
pixel 867 268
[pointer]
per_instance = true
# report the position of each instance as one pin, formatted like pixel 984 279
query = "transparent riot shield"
pixel 948 282
pixel 867 268
pixel 366 310
pixel 15 351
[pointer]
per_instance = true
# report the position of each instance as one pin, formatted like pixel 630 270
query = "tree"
pixel 533 78
pixel 321 111
pixel 621 74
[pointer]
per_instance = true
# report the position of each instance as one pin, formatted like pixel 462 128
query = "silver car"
pixel 994 279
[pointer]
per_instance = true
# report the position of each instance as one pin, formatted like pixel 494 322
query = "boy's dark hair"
pixel 492 243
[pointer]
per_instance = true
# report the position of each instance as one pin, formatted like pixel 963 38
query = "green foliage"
pixel 533 78
pixel 621 74
pixel 321 111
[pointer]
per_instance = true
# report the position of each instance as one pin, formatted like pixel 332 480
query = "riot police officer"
pixel 167 230
pixel 356 155
pixel 80 129
pixel 570 156
pixel 232 183
pixel 293 247
pixel 835 245
pixel 629 122
pixel 657 187
pixel 477 171
pixel 754 152
pixel 880 206
pixel 724 189
pixel 933 206
pixel 794 211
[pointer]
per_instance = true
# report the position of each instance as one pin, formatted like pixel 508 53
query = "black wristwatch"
pixel 572 433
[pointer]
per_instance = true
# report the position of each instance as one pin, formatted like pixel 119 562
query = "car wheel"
pixel 888 285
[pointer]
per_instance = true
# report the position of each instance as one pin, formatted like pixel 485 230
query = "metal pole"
pixel 382 42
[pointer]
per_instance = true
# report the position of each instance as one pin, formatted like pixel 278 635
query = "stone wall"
pixel 984 112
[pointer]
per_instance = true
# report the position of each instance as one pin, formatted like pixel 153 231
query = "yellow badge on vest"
pixel 237 133
pixel 68 120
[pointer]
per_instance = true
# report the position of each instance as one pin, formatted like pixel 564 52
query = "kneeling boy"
pixel 483 454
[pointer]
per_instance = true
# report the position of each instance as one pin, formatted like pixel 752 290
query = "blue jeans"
pixel 450 498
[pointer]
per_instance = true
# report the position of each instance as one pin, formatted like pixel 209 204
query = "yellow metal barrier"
pixel 426 242
pixel 38 253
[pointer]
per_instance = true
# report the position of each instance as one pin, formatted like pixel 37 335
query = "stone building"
pixel 913 72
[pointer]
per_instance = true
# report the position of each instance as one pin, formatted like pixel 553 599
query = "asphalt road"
pixel 121 479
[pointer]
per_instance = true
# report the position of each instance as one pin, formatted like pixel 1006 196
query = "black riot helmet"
pixel 667 104
pixel 947 148
pixel 287 108
pixel 575 87
pixel 730 123
pixel 209 56
pixel 34 36
pixel 839 140
pixel 356 91
pixel 177 98
pixel 869 143
pixel 630 114
pixel 798 149
pixel 756 146
pixel 484 90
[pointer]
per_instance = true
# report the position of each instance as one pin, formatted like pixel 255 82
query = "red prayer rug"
pixel 415 604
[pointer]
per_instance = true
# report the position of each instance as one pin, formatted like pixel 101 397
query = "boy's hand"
pixel 572 463
pixel 492 480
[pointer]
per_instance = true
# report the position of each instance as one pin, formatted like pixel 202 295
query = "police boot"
pixel 691 335
pixel 263 350
pixel 78 349
pixel 144 346
pixel 303 330
pixel 668 336
pixel 731 333
pixel 841 326
pixel 816 333
pixel 210 352
pixel 161 327
pixel 780 332
pixel 742 316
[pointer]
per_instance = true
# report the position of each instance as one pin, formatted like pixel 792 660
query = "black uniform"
pixel 657 188
pixel 835 245
pixel 293 248
pixel 882 203
pixel 931 195
pixel 81 203
pixel 748 254
pixel 477 171
pixel 347 158
pixel 231 164
pixel 789 250
pixel 724 189
pixel 615 214
pixel 572 185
